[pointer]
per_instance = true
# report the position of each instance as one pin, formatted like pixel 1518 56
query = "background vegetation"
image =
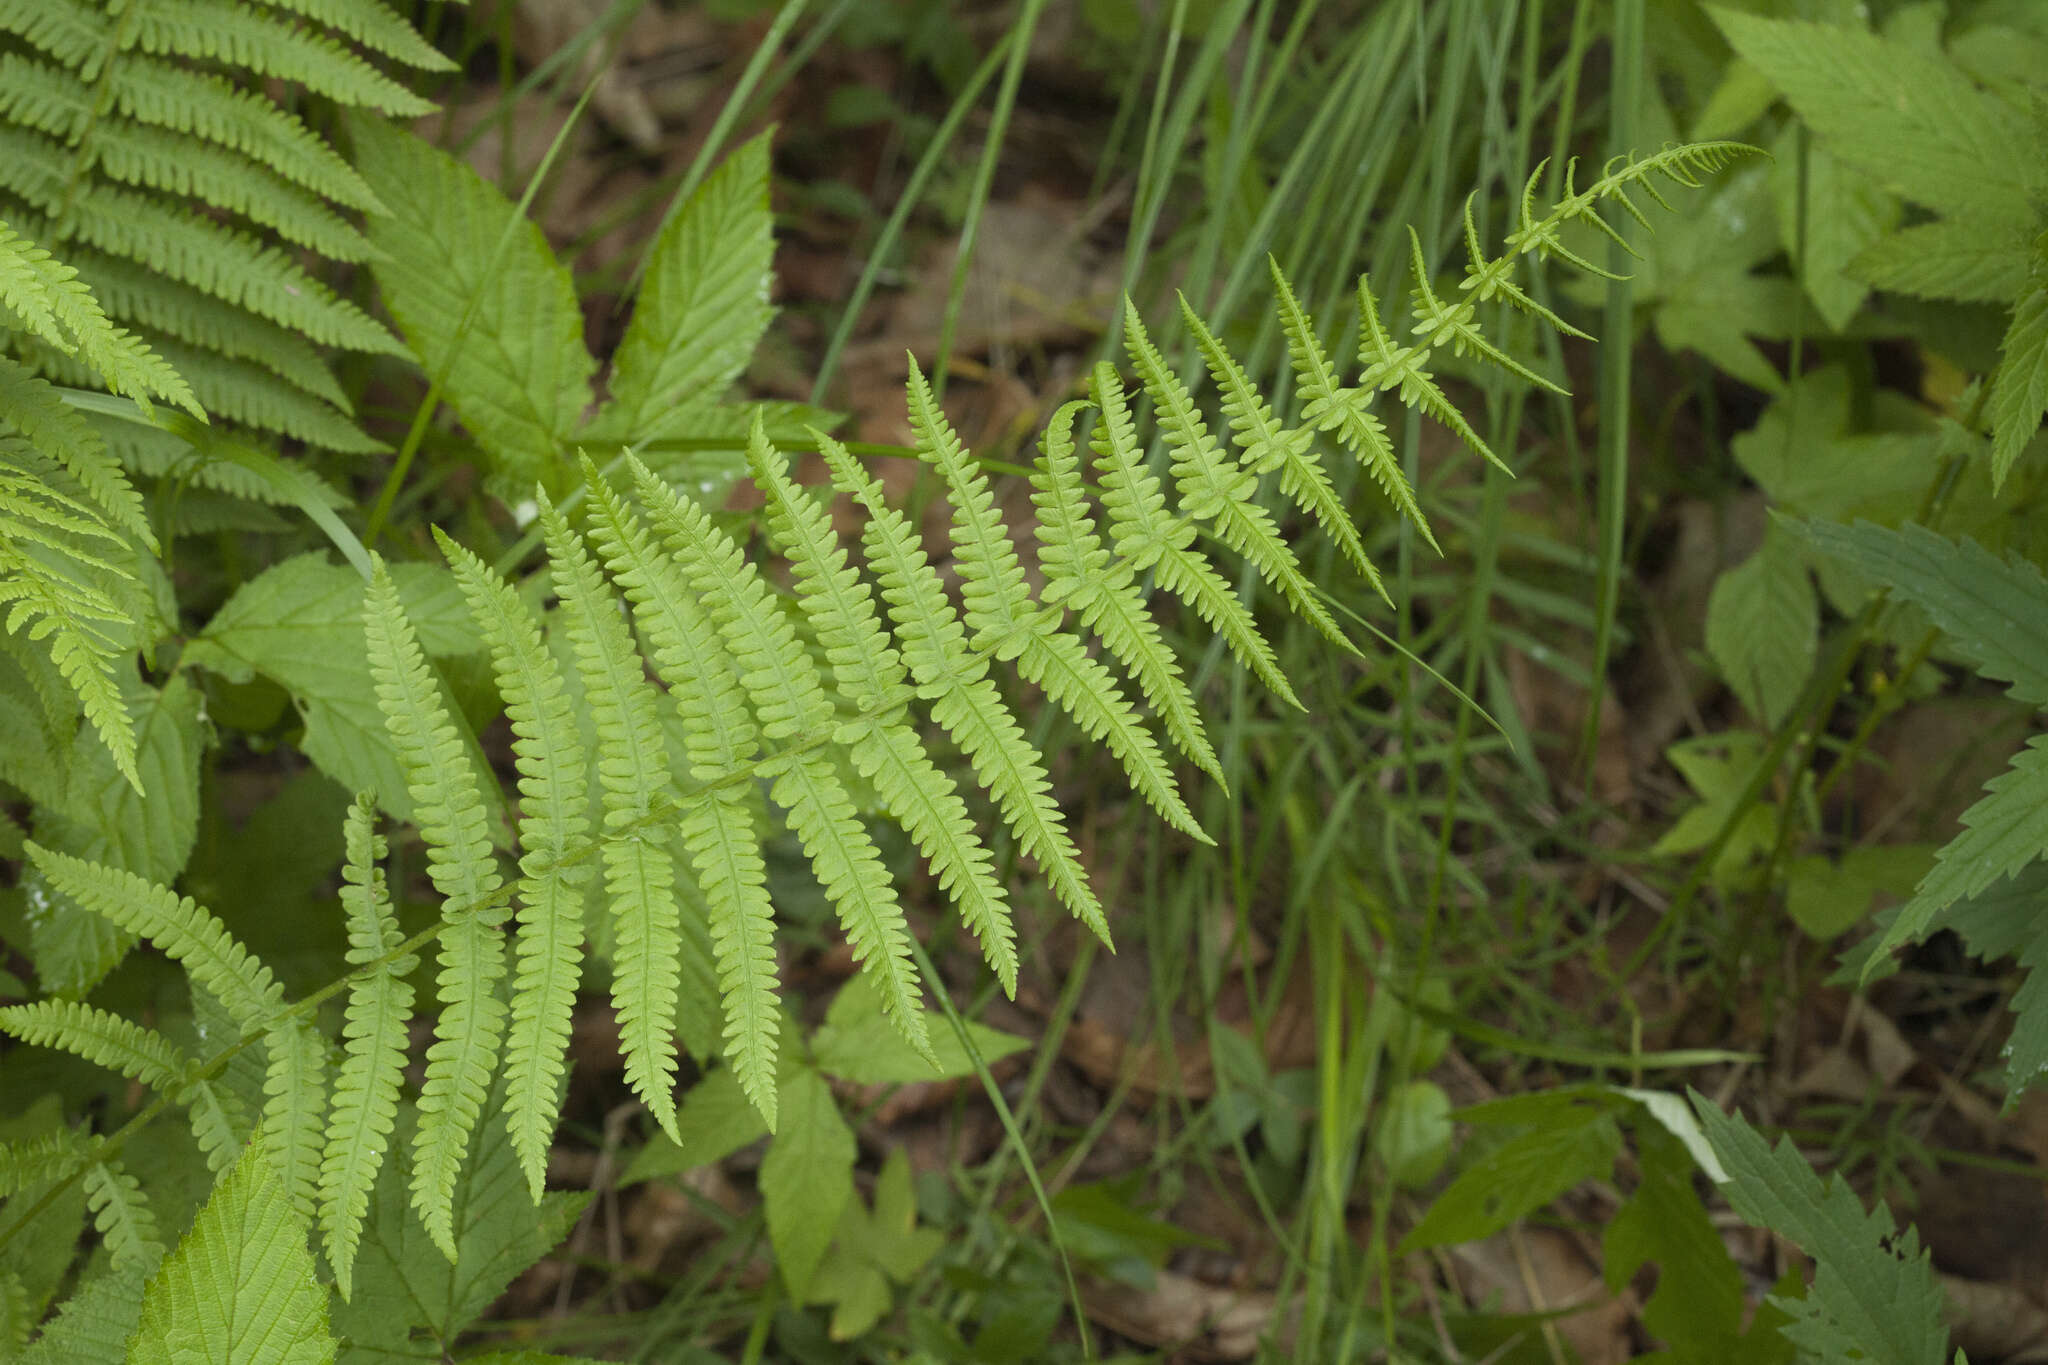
pixel 1673 788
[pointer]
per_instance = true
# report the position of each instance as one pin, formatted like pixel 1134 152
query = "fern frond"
pixel 1212 490
pixel 789 700
pixel 219 1124
pixel 54 428
pixel 548 752
pixel 448 805
pixel 125 1221
pixel 1002 618
pixel 719 740
pixel 632 769
pixel 1332 407
pixel 1488 279
pixel 242 36
pixel 1390 367
pixel 295 1108
pixel 1145 536
pixel 374 27
pixel 33 1161
pixel 954 679
pixel 869 672
pixel 1079 574
pixel 179 926
pixel 104 1039
pixel 1264 445
pixel 375 1038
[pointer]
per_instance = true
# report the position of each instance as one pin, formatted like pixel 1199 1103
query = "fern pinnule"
pixel 295 1109
pixel 181 928
pixel 720 741
pixel 633 776
pixel 1388 366
pixel 237 34
pixel 219 1124
pixel 1079 574
pixel 789 701
pixel 1002 618
pixel 448 806
pixel 547 751
pixel 955 680
pixel 375 1039
pixel 1265 445
pixel 916 793
pixel 1438 321
pixel 104 1039
pixel 51 1155
pixel 1487 279
pixel 374 27
pixel 1213 489
pixel 1148 538
pixel 126 1223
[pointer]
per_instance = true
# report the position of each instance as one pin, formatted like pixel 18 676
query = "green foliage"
pixel 240 1288
pixel 1874 1295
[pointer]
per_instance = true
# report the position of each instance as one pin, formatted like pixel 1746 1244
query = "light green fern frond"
pixel 1079 574
pixel 1002 618
pixel 633 776
pixel 125 1221
pixel 449 808
pixel 375 1038
pixel 295 1109
pixel 104 1039
pixel 1149 538
pixel 179 926
pixel 1264 445
pixel 139 138
pixel 870 675
pixel 964 701
pixel 720 741
pixel 1212 490
pixel 789 700
pixel 548 752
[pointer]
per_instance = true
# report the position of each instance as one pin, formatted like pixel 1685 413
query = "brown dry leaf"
pixel 1196 1321
pixel 1527 1270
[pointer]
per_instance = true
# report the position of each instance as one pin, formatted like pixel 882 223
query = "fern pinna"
pixel 678 701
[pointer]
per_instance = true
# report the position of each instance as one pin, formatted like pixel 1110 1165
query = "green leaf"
pixel 1901 114
pixel 2005 921
pixel 714 1120
pixel 1873 1289
pixel 873 1249
pixel 1578 1142
pixel 1844 214
pixel 1968 259
pixel 299 623
pixel 1763 626
pixel 406 1289
pixel 857 1043
pixel 1994 609
pixel 1698 1305
pixel 1826 898
pixel 240 1289
pixel 703 305
pixel 94 1324
pixel 503 326
pixel 806 1178
pixel 1413 1136
pixel 2019 393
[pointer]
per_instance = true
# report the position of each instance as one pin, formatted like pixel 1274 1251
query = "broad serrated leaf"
pixel 1950 258
pixel 1698 1305
pixel 1843 215
pixel 240 1289
pixel 1993 608
pixel 481 300
pixel 411 1302
pixel 1873 1289
pixel 703 304
pixel 1763 627
pixel 806 1178
pixel 299 623
pixel 1901 114
pixel 2019 392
